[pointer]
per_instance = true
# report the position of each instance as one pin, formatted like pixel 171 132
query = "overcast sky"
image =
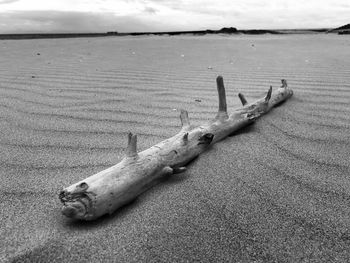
pixel 30 16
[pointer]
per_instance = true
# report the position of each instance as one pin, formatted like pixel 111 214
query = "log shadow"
pixel 174 178
pixel 249 128
pixel 279 104
pixel 292 98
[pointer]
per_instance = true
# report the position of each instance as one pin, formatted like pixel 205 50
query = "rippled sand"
pixel 277 191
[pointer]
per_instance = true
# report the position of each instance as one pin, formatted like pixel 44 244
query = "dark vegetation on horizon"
pixel 343 30
pixel 226 30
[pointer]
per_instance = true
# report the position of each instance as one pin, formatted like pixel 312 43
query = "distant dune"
pixel 278 191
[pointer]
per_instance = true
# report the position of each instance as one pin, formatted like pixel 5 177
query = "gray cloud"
pixel 8 1
pixel 206 7
pixel 61 21
pixel 167 15
pixel 150 10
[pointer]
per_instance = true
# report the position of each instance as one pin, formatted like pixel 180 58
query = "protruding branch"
pixel 284 83
pixel 222 98
pixel 131 150
pixel 185 121
pixel 268 95
pixel 242 98
pixel 222 94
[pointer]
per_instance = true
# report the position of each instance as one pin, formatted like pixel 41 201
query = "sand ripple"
pixel 277 191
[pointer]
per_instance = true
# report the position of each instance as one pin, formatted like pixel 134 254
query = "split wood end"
pixel 242 98
pixel 131 149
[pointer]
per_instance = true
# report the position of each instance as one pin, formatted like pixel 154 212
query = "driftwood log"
pixel 106 191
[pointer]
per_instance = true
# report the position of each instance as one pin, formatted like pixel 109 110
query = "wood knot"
pixel 83 186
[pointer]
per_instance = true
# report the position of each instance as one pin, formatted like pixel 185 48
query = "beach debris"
pixel 108 190
pixel 198 100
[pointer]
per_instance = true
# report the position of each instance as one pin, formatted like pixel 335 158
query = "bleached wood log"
pixel 110 189
pixel 116 186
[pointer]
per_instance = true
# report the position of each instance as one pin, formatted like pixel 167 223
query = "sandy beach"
pixel 278 191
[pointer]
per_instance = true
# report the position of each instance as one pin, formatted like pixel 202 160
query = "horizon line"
pixel 171 31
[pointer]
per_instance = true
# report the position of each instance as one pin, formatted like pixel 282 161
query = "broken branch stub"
pixel 185 121
pixel 242 98
pixel 110 189
pixel 131 149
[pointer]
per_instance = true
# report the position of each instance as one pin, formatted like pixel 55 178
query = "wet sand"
pixel 276 191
